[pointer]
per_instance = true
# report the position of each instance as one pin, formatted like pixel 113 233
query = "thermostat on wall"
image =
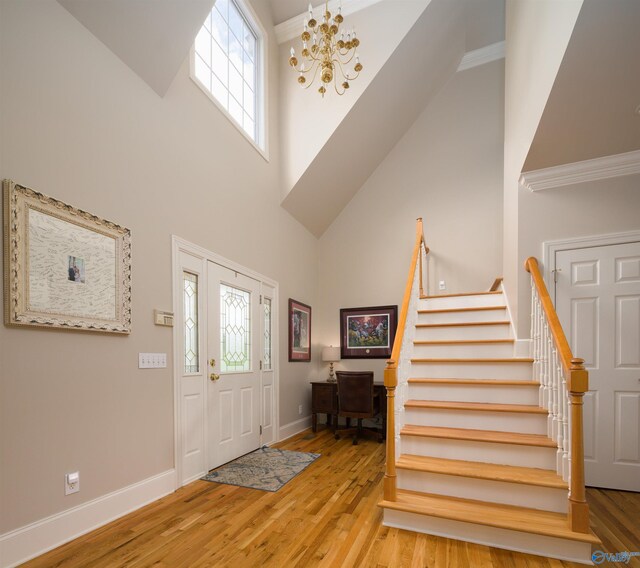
pixel 163 318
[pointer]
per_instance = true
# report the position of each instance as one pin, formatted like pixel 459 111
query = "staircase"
pixel 472 459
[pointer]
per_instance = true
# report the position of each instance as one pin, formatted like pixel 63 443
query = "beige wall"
pixel 581 210
pixel 78 124
pixel 537 34
pixel 447 169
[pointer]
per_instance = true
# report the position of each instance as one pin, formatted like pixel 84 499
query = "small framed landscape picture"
pixel 299 331
pixel 367 333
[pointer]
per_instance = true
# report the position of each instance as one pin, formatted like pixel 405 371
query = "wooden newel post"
pixel 390 382
pixel 578 507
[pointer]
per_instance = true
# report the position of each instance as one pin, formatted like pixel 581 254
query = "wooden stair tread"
pixel 480 470
pixel 480 406
pixel 463 324
pixel 486 382
pixel 463 341
pixel 461 295
pixel 475 309
pixel 493 436
pixel 472 360
pixel 507 517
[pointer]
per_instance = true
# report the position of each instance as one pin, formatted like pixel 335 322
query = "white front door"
pixel 233 360
pixel 598 303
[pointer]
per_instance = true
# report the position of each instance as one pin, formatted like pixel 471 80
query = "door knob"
pixel 214 377
pixel 212 362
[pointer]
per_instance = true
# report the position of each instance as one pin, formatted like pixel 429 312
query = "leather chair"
pixel 356 400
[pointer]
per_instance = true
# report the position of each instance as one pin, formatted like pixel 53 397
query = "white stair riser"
pixel 478 420
pixel 518 494
pixel 461 302
pixel 463 317
pixel 464 350
pixel 516 371
pixel 472 393
pixel 500 538
pixel 487 452
pixel 499 331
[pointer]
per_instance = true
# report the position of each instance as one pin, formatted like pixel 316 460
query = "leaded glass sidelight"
pixel 191 350
pixel 235 329
pixel 267 335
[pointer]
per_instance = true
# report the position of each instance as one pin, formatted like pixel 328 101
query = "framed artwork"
pixel 367 333
pixel 299 331
pixel 63 268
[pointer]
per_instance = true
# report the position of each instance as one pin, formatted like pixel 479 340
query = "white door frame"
pixel 551 247
pixel 180 245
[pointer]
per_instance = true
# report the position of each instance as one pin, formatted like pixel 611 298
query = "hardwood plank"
pixel 451 310
pixel 478 435
pixel 240 527
pixel 479 406
pixel 463 324
pixel 461 295
pixel 486 382
pixel 489 514
pixel 478 470
pixel 464 342
pixel 473 360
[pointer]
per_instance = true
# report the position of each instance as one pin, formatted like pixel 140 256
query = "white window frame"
pixel 261 142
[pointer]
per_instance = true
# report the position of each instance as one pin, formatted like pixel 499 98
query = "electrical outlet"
pixel 442 285
pixel 72 483
pixel 300 410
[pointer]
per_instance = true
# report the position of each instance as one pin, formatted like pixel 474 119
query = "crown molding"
pixel 580 172
pixel 292 28
pixel 485 54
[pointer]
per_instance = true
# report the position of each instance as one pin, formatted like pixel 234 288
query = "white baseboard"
pixel 522 348
pixel 35 539
pixel 293 428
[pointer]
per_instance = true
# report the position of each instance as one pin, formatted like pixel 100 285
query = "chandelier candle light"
pixel 328 53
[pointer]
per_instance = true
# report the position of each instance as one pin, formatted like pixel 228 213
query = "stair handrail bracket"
pixel 415 276
pixel 563 382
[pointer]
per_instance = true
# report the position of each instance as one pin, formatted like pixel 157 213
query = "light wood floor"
pixel 327 516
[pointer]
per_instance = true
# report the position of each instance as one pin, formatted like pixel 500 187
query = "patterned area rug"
pixel 266 468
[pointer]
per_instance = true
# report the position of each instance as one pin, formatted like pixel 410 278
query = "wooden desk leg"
pixel 314 422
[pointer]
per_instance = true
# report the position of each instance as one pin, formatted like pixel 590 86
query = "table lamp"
pixel 331 355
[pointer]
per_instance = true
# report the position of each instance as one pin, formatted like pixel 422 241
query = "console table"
pixel 324 400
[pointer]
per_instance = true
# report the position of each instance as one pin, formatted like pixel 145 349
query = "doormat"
pixel 267 469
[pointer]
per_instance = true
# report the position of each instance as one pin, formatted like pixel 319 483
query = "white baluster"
pixel 557 373
pixel 565 428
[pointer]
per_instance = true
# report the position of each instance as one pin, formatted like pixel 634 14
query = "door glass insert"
pixel 266 357
pixel 235 329
pixel 191 351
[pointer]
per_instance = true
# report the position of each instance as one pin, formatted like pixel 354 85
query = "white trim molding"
pixel 35 539
pixel 580 172
pixel 485 54
pixel 293 428
pixel 292 28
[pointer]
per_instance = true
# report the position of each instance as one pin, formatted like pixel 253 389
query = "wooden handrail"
pixel 531 266
pixel 577 384
pixel 391 370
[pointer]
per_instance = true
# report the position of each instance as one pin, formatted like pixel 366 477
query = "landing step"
pixel 480 406
pixel 478 470
pixel 464 342
pixel 452 310
pixel 494 436
pixel 494 360
pixel 464 324
pixel 460 295
pixel 488 382
pixel 490 514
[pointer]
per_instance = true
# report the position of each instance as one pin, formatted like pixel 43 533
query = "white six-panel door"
pixel 598 303
pixel 233 359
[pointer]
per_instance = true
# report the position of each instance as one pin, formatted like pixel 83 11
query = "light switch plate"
pixel 152 360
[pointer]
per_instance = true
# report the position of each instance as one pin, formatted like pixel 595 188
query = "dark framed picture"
pixel 367 333
pixel 299 331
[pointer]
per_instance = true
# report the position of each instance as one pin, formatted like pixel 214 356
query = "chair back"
pixel 355 394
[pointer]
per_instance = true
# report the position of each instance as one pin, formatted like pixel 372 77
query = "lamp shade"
pixel 331 354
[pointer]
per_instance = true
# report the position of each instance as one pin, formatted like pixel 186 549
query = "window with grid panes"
pixel 226 64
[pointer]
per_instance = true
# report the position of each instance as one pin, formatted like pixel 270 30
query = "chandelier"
pixel 324 51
